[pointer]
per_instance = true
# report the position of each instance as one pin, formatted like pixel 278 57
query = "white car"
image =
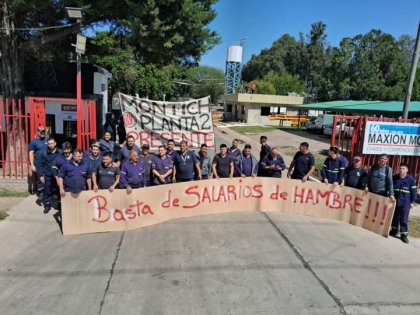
pixel 346 129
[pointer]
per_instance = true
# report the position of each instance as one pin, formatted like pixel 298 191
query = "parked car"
pixel 346 129
pixel 319 122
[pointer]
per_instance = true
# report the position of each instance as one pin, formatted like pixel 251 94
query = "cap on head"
pixel 96 144
pixel 41 128
pixel 357 158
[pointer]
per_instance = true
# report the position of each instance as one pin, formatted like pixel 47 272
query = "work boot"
pixel 47 209
pixel 393 232
pixel 39 199
pixel 404 238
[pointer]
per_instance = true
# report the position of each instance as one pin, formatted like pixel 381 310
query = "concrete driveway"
pixel 243 263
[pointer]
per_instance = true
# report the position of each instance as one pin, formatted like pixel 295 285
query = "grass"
pixel 12 193
pixel 319 161
pixel 253 130
pixel 414 226
pixel 3 215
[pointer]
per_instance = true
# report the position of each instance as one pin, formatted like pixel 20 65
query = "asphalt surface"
pixel 234 263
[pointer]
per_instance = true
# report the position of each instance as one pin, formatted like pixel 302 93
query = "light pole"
pixel 76 13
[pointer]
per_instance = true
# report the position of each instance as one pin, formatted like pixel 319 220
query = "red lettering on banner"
pixel 258 192
pixel 191 191
pixel 368 209
pixel 206 195
pixel 322 194
pixel 376 211
pixel 348 201
pixel 358 202
pixel 231 191
pixel 102 214
pixel 169 202
pixel 277 194
pixel 384 211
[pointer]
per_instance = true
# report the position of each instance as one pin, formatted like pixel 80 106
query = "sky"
pixel 262 22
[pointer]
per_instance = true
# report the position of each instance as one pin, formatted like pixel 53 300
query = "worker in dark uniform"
pixel 205 162
pixel 273 164
pixel 124 153
pixel 65 157
pixel 246 164
pixel 222 165
pixel 162 167
pixel 234 151
pixel 265 150
pixel 94 158
pixel 132 173
pixel 74 176
pixel 184 163
pixel 147 160
pixel 303 164
pixel 405 190
pixel 108 145
pixel 106 176
pixel 46 170
pixel 36 147
pixel 355 175
pixel 380 179
pixel 170 149
pixel 332 171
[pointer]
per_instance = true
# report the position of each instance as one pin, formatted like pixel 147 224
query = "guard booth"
pixel 20 119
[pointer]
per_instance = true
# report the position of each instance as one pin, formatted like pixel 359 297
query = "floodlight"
pixel 81 44
pixel 74 13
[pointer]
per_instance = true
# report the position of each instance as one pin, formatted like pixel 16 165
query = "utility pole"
pixel 413 69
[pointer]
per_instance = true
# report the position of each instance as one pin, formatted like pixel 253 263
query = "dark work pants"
pixel 39 186
pixel 50 188
pixel 183 180
pixel 401 219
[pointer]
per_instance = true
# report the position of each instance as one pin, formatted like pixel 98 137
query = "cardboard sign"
pixel 90 212
pixel 154 122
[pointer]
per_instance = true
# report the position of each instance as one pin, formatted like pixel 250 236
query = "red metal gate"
pixel 349 138
pixel 19 121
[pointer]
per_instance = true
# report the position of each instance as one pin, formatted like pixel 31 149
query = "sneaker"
pixel 47 209
pixel 404 238
pixel 393 232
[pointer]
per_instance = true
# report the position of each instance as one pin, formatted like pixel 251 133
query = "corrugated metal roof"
pixel 364 106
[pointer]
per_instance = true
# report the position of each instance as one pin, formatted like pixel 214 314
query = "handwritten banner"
pixel 155 122
pixel 90 212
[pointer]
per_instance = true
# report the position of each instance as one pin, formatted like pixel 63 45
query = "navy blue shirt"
pixel 276 162
pixel 105 176
pixel 333 170
pixel 48 161
pixel 184 164
pixel 303 163
pixel 222 165
pixel 162 166
pixel 124 154
pixel 234 153
pixel 38 145
pixel 93 162
pixel 265 150
pixel 405 190
pixel 59 162
pixel 147 161
pixel 171 154
pixel 74 176
pixel 247 165
pixel 132 174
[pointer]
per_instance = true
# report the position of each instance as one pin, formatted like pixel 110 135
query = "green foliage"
pixel 370 66
pixel 264 87
pixel 205 81
pixel 284 83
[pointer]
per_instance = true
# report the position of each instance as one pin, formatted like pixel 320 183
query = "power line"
pixel 36 28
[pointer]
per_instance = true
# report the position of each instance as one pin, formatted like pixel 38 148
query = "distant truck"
pixel 317 124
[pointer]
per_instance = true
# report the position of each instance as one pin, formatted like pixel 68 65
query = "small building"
pixel 256 108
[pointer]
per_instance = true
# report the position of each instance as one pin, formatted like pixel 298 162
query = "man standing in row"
pixel 36 147
pixel 355 175
pixel 124 154
pixel 105 175
pixel 147 159
pixel 162 167
pixel 303 164
pixel 205 162
pixel 184 163
pixel 132 173
pixel 273 164
pixel 222 165
pixel 46 171
pixel 74 176
pixel 246 164
pixel 332 171
pixel 380 179
pixel 405 189
pixel 265 150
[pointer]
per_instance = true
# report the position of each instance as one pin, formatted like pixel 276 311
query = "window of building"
pixel 229 108
pixel 265 111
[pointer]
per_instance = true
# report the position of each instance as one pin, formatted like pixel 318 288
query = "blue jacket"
pixel 133 174
pixel 405 190
pixel 48 159
pixel 74 176
pixel 277 162
pixel 333 170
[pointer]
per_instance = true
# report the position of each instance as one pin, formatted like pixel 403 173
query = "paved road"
pixel 242 263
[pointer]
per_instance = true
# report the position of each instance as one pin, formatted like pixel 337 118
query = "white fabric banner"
pixel 155 122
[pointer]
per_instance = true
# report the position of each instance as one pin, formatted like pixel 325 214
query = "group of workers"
pixel 110 165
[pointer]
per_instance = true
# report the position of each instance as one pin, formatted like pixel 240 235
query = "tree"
pixel 205 81
pixel 285 83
